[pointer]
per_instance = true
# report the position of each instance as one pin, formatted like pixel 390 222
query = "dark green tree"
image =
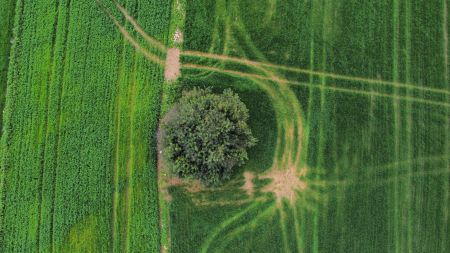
pixel 206 135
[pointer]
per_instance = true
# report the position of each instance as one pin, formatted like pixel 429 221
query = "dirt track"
pixel 172 66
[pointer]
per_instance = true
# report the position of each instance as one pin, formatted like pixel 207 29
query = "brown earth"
pixel 172 66
pixel 285 184
pixel 248 186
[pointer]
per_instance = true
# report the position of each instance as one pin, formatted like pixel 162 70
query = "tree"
pixel 206 135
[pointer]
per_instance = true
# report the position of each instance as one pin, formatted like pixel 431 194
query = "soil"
pixel 248 186
pixel 178 36
pixel 285 184
pixel 172 66
pixel 175 181
pixel 194 186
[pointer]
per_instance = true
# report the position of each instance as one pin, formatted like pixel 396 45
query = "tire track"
pixel 56 154
pixel 315 86
pixel 45 125
pixel 377 82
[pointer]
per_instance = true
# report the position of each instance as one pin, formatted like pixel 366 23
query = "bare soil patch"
pixel 248 186
pixel 172 66
pixel 175 181
pixel 178 36
pixel 195 186
pixel 285 184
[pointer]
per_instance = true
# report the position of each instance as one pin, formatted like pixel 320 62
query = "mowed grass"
pixel 382 151
pixel 78 143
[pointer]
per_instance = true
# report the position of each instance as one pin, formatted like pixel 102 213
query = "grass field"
pixel 376 146
pixel 349 101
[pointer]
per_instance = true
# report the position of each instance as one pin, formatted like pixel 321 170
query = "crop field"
pixel 81 109
pixel 349 101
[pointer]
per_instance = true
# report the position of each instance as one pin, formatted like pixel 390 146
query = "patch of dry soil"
pixel 285 184
pixel 178 36
pixel 172 67
pixel 248 186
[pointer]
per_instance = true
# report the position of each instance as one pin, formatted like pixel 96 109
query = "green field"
pixel 377 152
pixel 81 108
pixel 349 100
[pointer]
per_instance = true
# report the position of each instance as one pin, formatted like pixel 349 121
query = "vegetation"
pixel 384 161
pixel 6 24
pixel 207 136
pixel 365 101
pixel 80 118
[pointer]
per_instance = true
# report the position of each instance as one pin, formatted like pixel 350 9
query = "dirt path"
pixel 285 184
pixel 172 66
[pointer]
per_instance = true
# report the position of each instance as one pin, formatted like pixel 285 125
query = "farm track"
pixel 43 131
pixel 59 94
pixel 377 82
pixel 116 163
pixel 316 86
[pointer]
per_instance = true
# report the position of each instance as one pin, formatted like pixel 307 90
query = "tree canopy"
pixel 206 136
